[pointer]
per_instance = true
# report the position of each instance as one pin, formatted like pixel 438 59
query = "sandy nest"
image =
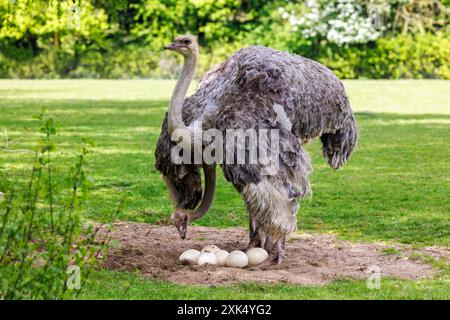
pixel 311 259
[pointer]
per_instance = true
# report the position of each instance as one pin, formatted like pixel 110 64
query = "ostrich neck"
pixel 175 119
pixel 208 196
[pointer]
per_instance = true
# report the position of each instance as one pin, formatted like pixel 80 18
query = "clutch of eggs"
pixel 213 255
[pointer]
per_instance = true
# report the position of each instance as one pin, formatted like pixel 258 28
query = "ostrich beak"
pixel 182 228
pixel 170 46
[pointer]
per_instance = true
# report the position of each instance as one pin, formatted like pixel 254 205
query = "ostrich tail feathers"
pixel 337 147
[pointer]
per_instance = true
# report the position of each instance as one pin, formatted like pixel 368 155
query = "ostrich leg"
pixel 254 234
pixel 271 215
pixel 268 244
pixel 279 250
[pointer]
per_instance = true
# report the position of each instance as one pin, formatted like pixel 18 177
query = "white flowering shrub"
pixel 340 21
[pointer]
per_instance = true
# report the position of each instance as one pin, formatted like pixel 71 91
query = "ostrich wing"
pixel 312 97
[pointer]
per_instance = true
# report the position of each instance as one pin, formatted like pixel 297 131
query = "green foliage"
pixel 129 62
pixel 404 56
pixel 48 40
pixel 124 39
pixel 44 245
pixel 411 56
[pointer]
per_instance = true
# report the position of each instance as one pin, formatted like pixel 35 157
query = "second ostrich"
pixel 256 88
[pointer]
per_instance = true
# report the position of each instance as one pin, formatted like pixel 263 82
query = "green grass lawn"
pixel 117 285
pixel 396 186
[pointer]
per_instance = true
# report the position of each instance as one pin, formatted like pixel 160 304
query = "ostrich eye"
pixel 186 41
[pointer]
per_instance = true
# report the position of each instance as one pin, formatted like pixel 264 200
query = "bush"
pixel 424 56
pixel 46 251
pixel 119 63
pixel 420 56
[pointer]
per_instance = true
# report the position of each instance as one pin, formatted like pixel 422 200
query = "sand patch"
pixel 311 259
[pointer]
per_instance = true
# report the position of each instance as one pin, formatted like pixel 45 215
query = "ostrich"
pixel 256 88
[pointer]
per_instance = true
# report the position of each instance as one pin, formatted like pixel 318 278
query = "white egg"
pixel 189 256
pixel 237 259
pixel 256 256
pixel 211 248
pixel 221 256
pixel 206 258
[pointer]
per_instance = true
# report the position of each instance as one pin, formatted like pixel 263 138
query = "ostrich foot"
pixel 272 263
pixel 278 257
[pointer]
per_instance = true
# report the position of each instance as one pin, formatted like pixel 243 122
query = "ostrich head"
pixel 180 219
pixel 186 45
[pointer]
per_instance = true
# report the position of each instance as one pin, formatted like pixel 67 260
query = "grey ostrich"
pixel 254 89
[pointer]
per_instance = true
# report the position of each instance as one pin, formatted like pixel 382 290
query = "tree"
pixel 62 29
